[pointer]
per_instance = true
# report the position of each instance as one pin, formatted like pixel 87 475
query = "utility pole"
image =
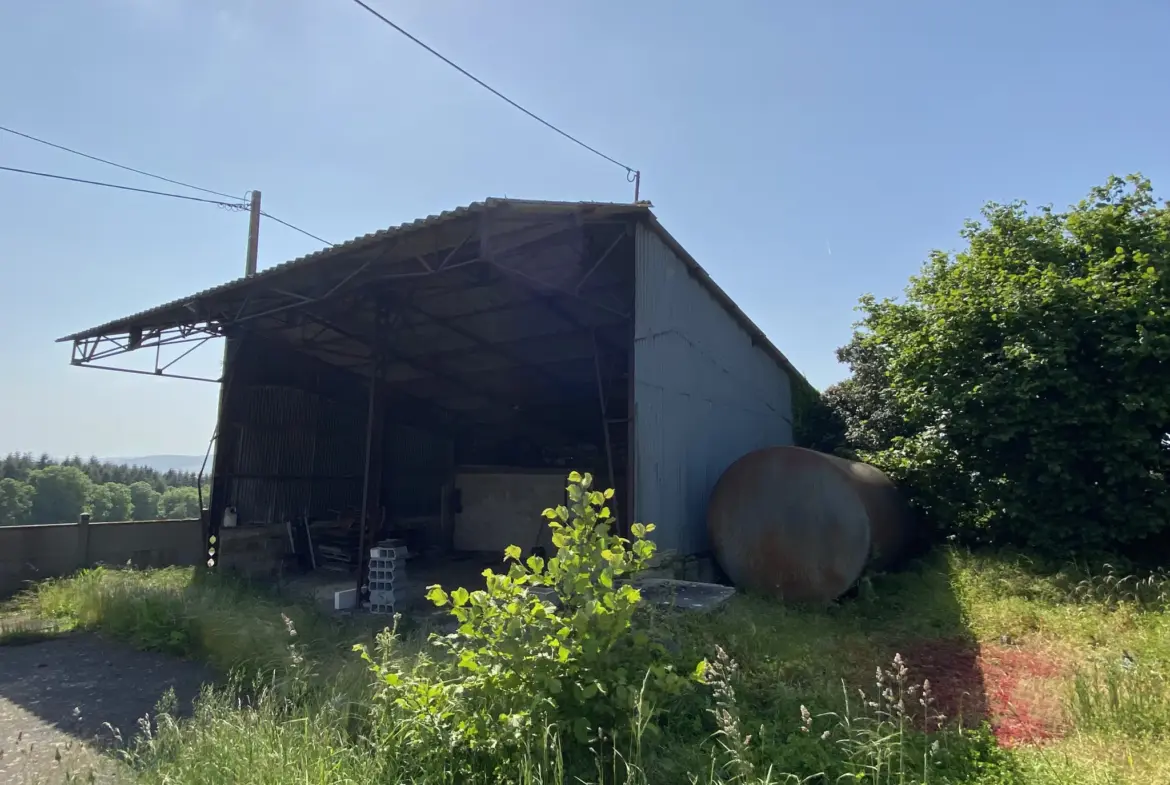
pixel 218 504
pixel 253 234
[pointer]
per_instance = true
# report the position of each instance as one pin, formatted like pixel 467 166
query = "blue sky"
pixel 805 153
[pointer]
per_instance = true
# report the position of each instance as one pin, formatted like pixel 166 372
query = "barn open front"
pixel 431 385
pixel 437 384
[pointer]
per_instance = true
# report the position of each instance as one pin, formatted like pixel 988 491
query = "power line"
pixel 233 205
pixel 114 164
pixel 295 228
pixel 229 205
pixel 629 169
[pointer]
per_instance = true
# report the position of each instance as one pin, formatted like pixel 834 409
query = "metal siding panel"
pixel 704 395
pixel 296 454
pixel 417 465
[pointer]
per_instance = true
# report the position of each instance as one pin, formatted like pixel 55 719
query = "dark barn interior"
pixel 436 381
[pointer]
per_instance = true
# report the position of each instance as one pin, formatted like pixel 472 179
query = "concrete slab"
pixel 685 595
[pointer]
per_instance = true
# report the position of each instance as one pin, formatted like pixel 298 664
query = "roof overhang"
pixel 493 232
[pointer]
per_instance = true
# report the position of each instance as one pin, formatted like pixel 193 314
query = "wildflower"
pixel 900 667
pixel 805 719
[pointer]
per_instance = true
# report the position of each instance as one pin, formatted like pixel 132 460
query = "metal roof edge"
pixel 725 300
pixel 491 203
pixel 643 208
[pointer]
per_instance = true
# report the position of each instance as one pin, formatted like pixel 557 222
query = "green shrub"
pixel 548 644
pixel 1021 388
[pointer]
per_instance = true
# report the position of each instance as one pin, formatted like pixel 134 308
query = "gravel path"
pixel 57 696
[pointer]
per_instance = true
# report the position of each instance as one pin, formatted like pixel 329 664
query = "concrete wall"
pixel 502 508
pixel 33 553
pixel 253 551
pixel 705 395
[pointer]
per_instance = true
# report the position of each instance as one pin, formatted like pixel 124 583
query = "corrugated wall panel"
pixel 297 452
pixel 704 396
pixel 417 465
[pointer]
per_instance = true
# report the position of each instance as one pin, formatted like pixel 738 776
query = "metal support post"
pixel 363 522
pixel 604 415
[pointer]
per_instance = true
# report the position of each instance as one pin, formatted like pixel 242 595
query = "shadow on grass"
pixel 178 627
pixel 791 657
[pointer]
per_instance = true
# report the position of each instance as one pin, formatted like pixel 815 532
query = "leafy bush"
pixel 547 644
pixel 1022 387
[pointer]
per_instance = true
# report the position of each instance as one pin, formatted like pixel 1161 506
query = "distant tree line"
pixel 41 490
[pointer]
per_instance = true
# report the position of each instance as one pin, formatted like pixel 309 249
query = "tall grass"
pixel 1122 698
pixel 175 610
pixel 301 708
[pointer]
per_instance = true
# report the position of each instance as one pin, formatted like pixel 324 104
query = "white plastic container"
pixel 229 518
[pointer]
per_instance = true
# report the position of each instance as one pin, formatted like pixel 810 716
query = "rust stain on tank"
pixel 891 524
pixel 785 523
pixel 802 525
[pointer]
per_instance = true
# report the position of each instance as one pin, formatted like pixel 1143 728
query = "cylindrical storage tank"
pixel 786 522
pixel 891 527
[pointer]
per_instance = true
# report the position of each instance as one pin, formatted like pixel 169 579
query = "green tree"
pixel 16 501
pixel 144 501
pixel 61 494
pixel 110 501
pixel 1022 387
pixel 865 404
pixel 179 503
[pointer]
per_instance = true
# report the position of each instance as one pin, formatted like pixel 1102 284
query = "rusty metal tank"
pixel 801 525
pixel 891 527
pixel 786 523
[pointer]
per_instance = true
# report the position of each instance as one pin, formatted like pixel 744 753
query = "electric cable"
pixel 630 171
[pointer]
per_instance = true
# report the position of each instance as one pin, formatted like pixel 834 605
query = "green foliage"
pixel 816 424
pixel 548 643
pixel 41 490
pixel 177 503
pixel 110 501
pixel 16 501
pixel 1122 698
pixel 145 501
pixel 1022 388
pixel 61 493
pixel 19 466
pixel 865 403
pixel 313 718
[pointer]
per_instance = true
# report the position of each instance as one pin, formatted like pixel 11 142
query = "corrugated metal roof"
pixel 317 256
pixel 522 205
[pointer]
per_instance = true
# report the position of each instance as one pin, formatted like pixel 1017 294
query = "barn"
pixel 435 381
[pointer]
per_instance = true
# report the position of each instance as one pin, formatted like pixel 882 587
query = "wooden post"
pixel 231 348
pixel 372 421
pixel 253 234
pixel 83 541
pixel 363 523
pixel 631 503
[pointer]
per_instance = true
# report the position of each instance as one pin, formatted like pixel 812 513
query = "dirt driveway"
pixel 59 698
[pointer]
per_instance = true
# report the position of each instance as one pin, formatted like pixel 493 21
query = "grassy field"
pixel 965 669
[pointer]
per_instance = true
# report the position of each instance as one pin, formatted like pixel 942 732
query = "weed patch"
pixel 1008 674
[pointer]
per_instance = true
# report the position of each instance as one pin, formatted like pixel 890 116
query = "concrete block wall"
pixel 33 553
